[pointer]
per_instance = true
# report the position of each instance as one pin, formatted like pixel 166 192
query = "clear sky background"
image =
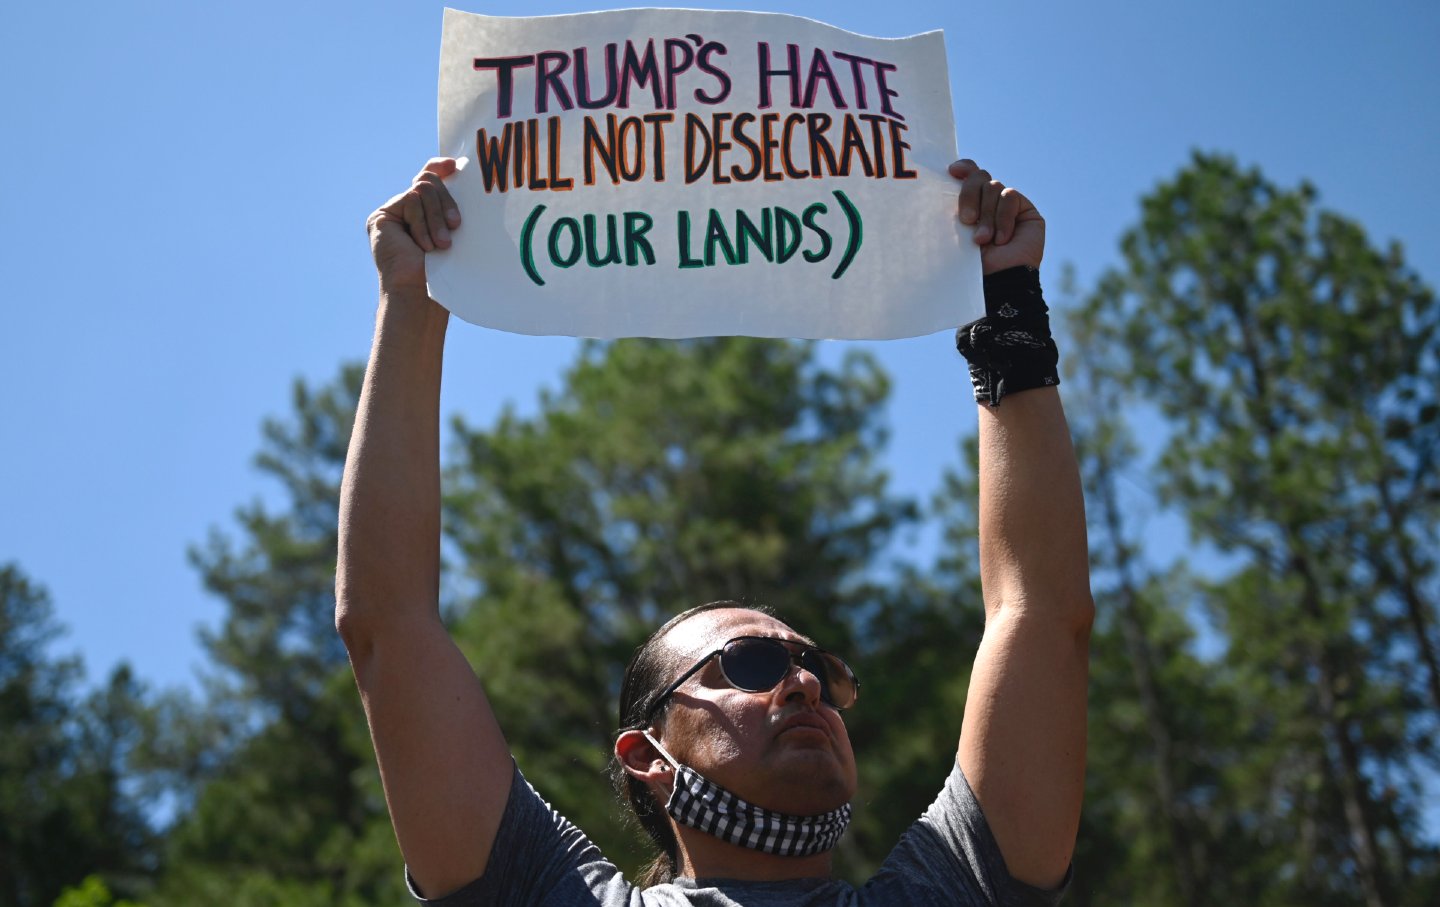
pixel 185 185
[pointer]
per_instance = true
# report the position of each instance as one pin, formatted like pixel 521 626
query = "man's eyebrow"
pixel 800 638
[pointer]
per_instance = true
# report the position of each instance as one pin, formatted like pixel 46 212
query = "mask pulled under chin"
pixel 699 803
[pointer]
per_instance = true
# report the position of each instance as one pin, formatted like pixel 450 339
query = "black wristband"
pixel 1010 349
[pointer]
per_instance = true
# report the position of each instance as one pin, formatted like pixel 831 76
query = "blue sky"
pixel 185 185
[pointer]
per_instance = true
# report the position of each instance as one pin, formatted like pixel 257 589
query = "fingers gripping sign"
pixel 1008 228
pixel 416 221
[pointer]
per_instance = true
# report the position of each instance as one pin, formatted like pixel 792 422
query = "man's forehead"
pixel 709 630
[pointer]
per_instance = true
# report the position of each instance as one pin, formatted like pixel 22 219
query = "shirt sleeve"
pixel 539 857
pixel 951 855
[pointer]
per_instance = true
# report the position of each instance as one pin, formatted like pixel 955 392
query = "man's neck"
pixel 705 857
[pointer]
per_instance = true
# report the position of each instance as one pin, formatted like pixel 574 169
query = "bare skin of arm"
pixel 1022 744
pixel 443 760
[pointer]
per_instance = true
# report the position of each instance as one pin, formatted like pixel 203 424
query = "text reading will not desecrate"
pixel 723 146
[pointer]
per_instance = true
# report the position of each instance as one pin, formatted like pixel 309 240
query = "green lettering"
pixel 715 235
pixel 746 232
pixel 809 217
pixel 612 254
pixel 787 234
pixel 683 232
pixel 637 224
pixel 568 224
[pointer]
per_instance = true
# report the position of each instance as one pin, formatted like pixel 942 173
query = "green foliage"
pixel 278 647
pixel 283 802
pixel 1294 368
pixel 62 759
pixel 1159 723
pixel 92 892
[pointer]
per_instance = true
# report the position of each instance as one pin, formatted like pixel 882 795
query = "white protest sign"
pixel 680 173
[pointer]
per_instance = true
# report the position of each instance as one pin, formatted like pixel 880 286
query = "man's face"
pixel 784 749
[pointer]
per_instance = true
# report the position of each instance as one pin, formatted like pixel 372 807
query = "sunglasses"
pixel 758 664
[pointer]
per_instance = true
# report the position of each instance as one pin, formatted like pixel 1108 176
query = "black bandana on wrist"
pixel 1010 349
pixel 699 803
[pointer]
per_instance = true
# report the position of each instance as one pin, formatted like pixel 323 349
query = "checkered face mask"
pixel 703 805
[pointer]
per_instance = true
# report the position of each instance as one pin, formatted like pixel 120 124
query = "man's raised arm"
pixel 1022 745
pixel 443 760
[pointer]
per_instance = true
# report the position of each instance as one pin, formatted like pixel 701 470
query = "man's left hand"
pixel 1008 228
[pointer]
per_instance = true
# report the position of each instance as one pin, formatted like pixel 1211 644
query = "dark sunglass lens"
pixel 755 665
pixel 837 685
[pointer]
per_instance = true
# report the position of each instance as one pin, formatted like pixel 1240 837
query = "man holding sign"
pixel 730 742
pixel 675 173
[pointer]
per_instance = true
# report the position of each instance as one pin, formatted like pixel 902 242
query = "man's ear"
pixel 641 760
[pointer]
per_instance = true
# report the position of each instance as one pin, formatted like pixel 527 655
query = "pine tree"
pixel 286 806
pixel 1295 365
pixel 66 812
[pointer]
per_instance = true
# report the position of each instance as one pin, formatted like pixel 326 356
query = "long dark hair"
pixel 651 670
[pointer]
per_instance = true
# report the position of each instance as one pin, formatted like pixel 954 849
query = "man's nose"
pixel 799 681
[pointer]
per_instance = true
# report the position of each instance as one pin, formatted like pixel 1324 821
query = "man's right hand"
pixel 416 221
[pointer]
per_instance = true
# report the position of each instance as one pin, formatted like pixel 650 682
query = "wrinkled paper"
pixel 679 173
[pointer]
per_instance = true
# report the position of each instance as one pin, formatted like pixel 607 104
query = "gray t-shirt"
pixel 947 857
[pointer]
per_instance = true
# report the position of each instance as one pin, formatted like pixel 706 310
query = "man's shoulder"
pixel 951 854
pixel 540 857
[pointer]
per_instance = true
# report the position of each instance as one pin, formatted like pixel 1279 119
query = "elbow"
pixel 1072 614
pixel 354 629
pixel 1054 595
pixel 372 609
pixel 355 640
